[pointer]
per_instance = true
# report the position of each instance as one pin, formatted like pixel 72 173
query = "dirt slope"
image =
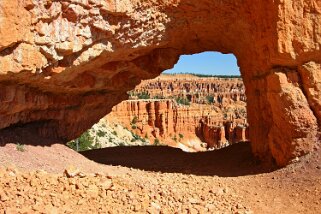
pixel 156 180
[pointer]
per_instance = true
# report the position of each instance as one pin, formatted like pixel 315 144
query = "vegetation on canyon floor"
pixel 105 134
pixel 156 142
pixel 20 147
pixel 85 142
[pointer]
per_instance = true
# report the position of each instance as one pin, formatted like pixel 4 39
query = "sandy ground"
pixel 155 180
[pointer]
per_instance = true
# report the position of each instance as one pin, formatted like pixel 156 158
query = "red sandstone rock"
pixel 49 49
pixel 196 89
pixel 173 123
pixel 168 121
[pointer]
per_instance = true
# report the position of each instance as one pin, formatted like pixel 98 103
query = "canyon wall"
pixel 195 88
pixel 65 64
pixel 172 123
pixel 212 111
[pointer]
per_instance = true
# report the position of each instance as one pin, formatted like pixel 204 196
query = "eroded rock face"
pixel 186 110
pixel 175 124
pixel 66 63
pixel 195 89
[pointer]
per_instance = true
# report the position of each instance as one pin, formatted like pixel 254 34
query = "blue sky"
pixel 214 63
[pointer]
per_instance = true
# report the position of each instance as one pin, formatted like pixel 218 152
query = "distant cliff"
pixel 199 113
pixel 195 89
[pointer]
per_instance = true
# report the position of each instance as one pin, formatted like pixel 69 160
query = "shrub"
pixel 114 133
pixel 210 99
pixel 143 95
pixel 121 144
pixel 85 142
pixel 134 120
pixel 159 97
pixel 134 127
pixel 96 146
pixel 225 116
pixel 156 142
pixel 182 101
pixel 137 137
pixel 101 133
pixel 181 136
pixel 175 138
pixel 20 147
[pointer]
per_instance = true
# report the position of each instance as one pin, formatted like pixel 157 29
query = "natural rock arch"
pixel 64 64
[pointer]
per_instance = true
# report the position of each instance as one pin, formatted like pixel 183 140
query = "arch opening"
pixel 198 105
pixel 65 78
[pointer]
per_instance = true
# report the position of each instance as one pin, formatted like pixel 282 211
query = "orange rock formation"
pixel 196 89
pixel 166 120
pixel 65 64
pixel 173 123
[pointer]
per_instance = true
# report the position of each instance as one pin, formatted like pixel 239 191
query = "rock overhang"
pixel 68 62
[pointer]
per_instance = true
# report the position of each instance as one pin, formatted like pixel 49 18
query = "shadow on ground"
pixel 26 135
pixel 236 160
pixel 232 161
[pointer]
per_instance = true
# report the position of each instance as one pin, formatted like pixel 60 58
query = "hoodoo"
pixel 65 64
pixel 185 111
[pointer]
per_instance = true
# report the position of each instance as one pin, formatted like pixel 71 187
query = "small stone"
pixel 107 184
pixel 53 195
pixel 155 205
pixel 98 174
pixel 81 175
pixel 81 201
pixel 93 190
pixel 295 160
pixel 12 174
pixel 193 201
pixel 137 207
pixel 71 172
pixel 3 197
pixel 239 206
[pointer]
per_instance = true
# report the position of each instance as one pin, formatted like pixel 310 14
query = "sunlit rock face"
pixel 195 88
pixel 65 64
pixel 183 110
pixel 174 124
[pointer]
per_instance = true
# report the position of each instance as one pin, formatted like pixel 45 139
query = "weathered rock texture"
pixel 218 122
pixel 195 89
pixel 172 123
pixel 64 64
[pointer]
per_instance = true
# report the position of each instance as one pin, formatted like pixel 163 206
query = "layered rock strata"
pixel 195 89
pixel 172 123
pixel 64 64
pixel 213 113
